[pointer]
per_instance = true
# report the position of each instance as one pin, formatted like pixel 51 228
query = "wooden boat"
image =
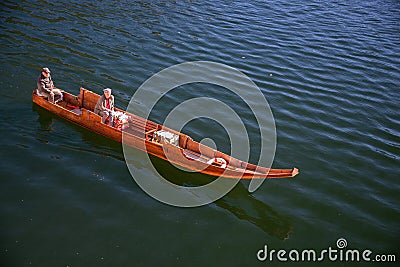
pixel 156 139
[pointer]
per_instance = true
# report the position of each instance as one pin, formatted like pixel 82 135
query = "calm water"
pixel 329 69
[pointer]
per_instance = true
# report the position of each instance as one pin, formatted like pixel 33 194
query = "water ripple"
pixel 329 71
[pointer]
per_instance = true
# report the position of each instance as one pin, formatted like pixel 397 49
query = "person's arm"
pixel 51 83
pixel 112 102
pixel 42 85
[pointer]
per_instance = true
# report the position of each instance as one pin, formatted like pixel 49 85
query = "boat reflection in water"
pixel 246 207
pixel 45 119
pixel 238 201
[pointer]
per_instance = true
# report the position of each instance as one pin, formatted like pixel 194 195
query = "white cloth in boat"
pixel 219 161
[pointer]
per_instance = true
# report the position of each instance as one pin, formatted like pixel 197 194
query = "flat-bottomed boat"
pixel 155 139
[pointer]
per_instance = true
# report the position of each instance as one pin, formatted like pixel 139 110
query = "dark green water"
pixel 329 70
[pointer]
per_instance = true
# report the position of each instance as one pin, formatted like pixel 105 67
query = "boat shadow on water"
pixel 246 207
pixel 239 202
pixel 95 143
pixel 45 118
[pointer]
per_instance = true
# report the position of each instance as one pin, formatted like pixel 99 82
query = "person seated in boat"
pixel 105 107
pixel 45 86
pixel 218 161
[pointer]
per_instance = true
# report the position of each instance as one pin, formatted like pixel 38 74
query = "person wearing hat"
pixel 46 87
pixel 105 107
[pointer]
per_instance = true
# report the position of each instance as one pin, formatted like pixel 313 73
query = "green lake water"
pixel 330 73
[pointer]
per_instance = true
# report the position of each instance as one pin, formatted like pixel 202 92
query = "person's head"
pixel 45 72
pixel 107 92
